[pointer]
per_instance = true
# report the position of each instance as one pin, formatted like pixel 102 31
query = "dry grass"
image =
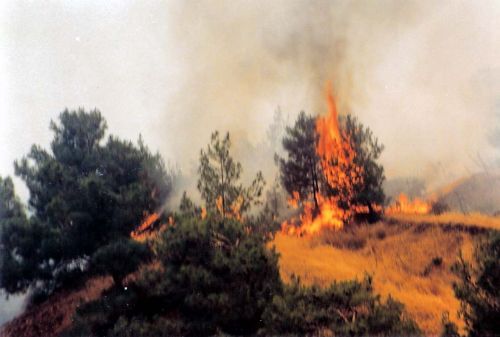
pixel 454 218
pixel 400 258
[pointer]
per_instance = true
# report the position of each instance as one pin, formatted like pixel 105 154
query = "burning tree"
pixel 331 171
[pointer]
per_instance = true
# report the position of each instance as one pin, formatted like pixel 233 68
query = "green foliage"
pixel 368 151
pixel 220 178
pixel 217 275
pixel 478 288
pixel 99 317
pixel 10 206
pixel 214 276
pixel 120 258
pixel 187 208
pixel 346 308
pixel 14 228
pixel 301 171
pixel 83 194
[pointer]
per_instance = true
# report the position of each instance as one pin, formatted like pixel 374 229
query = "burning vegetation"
pixel 203 270
pixel 403 205
pixel 339 175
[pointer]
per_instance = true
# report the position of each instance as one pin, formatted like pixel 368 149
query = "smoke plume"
pixel 419 74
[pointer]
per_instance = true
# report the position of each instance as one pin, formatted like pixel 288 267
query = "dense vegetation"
pixel 209 270
pixel 84 194
pixel 478 288
pixel 214 277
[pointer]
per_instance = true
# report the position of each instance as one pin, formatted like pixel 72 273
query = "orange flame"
pixel 406 206
pixel 341 174
pixel 234 211
pixel 146 231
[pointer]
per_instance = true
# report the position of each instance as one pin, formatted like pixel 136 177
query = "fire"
pixel 329 216
pixel 146 231
pixel 406 206
pixel 337 155
pixel 234 209
pixel 148 221
pixel 341 173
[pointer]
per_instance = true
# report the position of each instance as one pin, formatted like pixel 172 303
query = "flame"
pixel 146 231
pixel 234 211
pixel 406 206
pixel 341 173
pixel 337 155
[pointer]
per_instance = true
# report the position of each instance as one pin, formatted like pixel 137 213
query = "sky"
pixel 423 75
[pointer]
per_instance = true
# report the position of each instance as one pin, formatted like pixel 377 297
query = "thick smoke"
pixel 420 74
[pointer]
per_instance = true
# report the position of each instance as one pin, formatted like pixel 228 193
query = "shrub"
pixel 478 288
pixel 213 276
pixel 347 308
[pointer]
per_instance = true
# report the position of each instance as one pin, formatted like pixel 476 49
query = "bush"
pixel 217 275
pixel 212 276
pixel 478 288
pixel 346 308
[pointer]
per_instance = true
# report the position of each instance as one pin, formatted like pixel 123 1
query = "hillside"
pixel 411 262
pixel 409 259
pixel 54 315
pixel 477 193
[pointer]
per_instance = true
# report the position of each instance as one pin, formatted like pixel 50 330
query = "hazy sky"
pixel 424 75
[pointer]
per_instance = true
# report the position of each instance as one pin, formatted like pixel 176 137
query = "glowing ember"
pixel 406 206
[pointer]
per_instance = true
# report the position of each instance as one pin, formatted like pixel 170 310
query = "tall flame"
pixel 341 173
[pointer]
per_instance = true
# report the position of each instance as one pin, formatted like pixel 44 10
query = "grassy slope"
pixel 400 262
pixel 451 218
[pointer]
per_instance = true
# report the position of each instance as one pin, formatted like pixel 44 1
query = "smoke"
pixel 423 75
pixel 417 73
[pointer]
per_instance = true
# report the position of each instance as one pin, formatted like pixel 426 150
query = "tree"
pixel 219 182
pixel 12 216
pixel 368 150
pixel 478 288
pixel 83 195
pixel 10 206
pixel 300 171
